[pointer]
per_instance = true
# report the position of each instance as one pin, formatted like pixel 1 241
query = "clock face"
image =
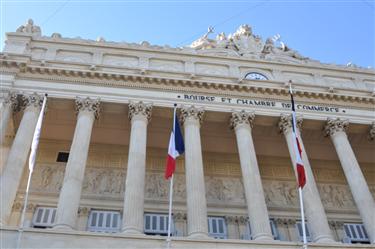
pixel 255 76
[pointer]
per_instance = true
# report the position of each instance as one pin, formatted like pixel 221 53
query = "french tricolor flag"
pixel 297 146
pixel 176 147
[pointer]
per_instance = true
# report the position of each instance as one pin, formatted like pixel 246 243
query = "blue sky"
pixel 330 31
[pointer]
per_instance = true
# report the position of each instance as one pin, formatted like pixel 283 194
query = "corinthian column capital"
pixel 241 117
pixel 12 99
pixel 191 111
pixel 31 100
pixel 372 131
pixel 335 125
pixel 285 123
pixel 140 108
pixel 89 105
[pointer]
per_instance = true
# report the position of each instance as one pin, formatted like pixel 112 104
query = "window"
pixel 44 217
pixel 355 233
pixel 104 221
pixel 62 157
pixel 274 231
pixel 300 232
pixel 217 228
pixel 157 224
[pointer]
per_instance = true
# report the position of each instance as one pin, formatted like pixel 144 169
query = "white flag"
pixel 34 145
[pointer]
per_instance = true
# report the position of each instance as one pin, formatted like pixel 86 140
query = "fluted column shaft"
pixel 9 103
pixel 256 204
pixel 195 188
pixel 70 195
pixel 335 128
pixel 12 172
pixel 314 209
pixel 139 114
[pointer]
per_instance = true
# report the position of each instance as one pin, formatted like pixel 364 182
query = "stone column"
pixel 139 115
pixel 241 122
pixel 335 128
pixel 314 209
pixel 9 104
pixel 12 172
pixel 195 188
pixel 70 194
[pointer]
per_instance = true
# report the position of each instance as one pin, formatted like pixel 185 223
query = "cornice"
pixel 140 79
pixel 178 52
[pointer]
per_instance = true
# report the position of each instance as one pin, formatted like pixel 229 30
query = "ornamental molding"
pixel 139 80
pixel 285 123
pixel 335 125
pixel 191 112
pixel 88 105
pixel 140 108
pixel 241 117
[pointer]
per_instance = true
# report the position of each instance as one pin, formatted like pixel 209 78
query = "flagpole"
pixel 32 157
pixel 299 188
pixel 171 190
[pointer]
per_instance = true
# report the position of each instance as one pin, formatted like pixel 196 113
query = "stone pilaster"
pixel 314 209
pixel 10 103
pixel 241 122
pixel 195 187
pixel 12 173
pixel 70 194
pixel 232 227
pixel 243 227
pixel 83 217
pixel 180 224
pixel 335 128
pixel 139 115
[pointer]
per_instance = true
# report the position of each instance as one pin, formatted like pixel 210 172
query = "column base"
pixel 263 237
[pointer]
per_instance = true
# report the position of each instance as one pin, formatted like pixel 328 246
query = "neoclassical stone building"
pixel 98 181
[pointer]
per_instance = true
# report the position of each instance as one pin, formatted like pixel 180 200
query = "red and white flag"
pixel 297 147
pixel 176 147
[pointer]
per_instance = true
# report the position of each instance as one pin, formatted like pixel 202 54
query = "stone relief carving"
pixel 13 99
pixel 244 43
pixel 335 125
pixel 227 190
pixel 30 28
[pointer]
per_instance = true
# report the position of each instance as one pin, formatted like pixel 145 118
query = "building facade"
pixel 99 177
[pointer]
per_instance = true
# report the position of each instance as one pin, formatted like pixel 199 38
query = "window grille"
pixel 217 228
pixel 44 217
pixel 300 232
pixel 157 224
pixel 104 221
pixel 356 233
pixel 275 232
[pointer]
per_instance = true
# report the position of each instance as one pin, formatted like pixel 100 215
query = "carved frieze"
pixel 241 117
pixel 335 125
pixel 139 108
pixel 224 189
pixel 285 123
pixel 89 105
pixel 191 112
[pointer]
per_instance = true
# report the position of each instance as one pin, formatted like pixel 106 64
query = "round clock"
pixel 255 76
